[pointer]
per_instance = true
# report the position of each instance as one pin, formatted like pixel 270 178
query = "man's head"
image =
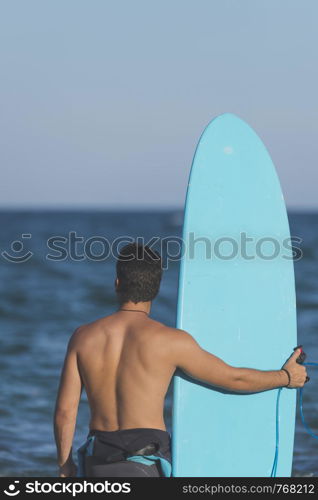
pixel 139 271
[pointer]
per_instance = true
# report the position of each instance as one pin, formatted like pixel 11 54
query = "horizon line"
pixel 125 208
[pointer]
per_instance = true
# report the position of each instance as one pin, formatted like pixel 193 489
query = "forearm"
pixel 64 428
pixel 250 380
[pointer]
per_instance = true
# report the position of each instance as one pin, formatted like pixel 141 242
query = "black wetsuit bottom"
pixel 111 449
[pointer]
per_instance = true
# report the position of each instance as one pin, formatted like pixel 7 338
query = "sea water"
pixel 51 286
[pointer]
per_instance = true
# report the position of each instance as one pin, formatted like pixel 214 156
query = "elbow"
pixel 238 381
pixel 62 415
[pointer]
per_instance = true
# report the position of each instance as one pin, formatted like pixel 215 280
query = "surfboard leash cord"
pixel 303 420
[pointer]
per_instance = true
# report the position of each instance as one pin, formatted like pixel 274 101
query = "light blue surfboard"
pixel 238 301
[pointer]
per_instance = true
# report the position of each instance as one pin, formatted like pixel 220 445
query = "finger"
pixel 296 353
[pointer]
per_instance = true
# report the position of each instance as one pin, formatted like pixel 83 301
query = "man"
pixel 125 361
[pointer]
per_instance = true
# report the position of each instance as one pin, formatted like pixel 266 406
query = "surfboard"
pixel 238 301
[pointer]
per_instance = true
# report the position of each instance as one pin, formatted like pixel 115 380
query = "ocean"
pixel 51 286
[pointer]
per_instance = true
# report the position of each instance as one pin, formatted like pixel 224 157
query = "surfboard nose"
pixel 230 120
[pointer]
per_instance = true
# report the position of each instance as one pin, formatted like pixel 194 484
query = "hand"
pixel 68 469
pixel 297 372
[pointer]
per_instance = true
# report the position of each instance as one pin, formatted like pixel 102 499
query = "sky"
pixel 102 102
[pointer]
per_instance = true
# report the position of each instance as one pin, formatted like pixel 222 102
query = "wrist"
pixel 286 377
pixel 65 463
pixel 63 459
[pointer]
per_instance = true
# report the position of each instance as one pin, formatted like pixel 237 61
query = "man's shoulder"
pixel 95 325
pixel 176 334
pixel 85 332
pixel 172 343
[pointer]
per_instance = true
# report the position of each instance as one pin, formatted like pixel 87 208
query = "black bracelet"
pixel 288 375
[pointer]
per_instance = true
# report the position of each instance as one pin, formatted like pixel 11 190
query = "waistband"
pixel 116 445
pixel 128 433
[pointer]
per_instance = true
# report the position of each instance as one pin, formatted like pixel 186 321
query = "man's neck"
pixel 138 307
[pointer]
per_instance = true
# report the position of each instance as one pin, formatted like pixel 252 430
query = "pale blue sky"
pixel 102 102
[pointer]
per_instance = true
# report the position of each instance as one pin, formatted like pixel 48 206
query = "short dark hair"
pixel 139 271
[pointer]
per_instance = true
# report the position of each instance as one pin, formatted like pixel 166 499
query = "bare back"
pixel 124 365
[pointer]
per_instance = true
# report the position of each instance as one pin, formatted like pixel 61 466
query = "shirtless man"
pixel 126 361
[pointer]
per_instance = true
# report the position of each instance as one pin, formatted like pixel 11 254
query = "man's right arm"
pixel 187 355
